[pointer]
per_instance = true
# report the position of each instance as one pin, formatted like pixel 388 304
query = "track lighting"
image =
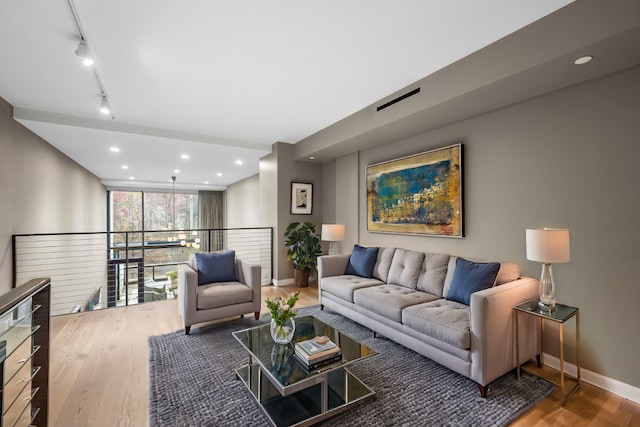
pixel 104 106
pixel 83 53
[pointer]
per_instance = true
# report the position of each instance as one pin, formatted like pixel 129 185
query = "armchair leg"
pixel 242 316
pixel 257 315
pixel 187 329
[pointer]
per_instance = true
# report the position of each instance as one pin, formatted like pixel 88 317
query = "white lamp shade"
pixel 333 232
pixel 548 245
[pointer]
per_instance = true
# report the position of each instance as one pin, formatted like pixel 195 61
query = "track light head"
pixel 104 106
pixel 83 53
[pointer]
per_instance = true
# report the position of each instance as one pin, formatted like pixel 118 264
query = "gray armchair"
pixel 219 300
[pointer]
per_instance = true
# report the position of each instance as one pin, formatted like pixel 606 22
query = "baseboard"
pixel 283 282
pixel 609 384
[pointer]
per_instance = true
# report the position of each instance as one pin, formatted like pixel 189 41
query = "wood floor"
pixel 99 371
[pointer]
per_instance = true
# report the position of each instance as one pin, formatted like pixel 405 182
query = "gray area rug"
pixel 192 383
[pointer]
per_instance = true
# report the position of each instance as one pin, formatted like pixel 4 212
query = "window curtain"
pixel 211 216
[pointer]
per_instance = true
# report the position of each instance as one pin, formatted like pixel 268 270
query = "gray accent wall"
pixel 277 171
pixel 41 190
pixel 567 159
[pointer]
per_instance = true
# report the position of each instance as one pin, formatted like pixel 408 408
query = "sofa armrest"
pixel 251 275
pixel 493 330
pixel 332 265
pixel 187 292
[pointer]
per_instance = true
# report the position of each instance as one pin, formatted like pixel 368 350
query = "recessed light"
pixel 184 156
pixel 206 182
pixel 583 60
pixel 238 162
pixel 114 149
pixel 176 171
pixel 312 158
pixel 124 167
pixel 219 174
pixel 131 177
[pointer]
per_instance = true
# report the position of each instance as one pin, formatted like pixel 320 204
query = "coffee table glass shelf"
pixel 288 394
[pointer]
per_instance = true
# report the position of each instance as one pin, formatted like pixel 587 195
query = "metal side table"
pixel 560 315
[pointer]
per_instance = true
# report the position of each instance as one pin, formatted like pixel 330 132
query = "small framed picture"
pixel 301 198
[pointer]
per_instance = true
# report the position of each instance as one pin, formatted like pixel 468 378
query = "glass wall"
pixel 147 228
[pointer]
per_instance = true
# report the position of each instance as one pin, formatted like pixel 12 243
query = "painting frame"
pixel 301 198
pixel 419 194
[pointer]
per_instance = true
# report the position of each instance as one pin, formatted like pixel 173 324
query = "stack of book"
pixel 317 352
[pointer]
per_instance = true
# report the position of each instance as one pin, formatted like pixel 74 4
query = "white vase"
pixel 283 334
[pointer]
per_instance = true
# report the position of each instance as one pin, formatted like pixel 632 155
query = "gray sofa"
pixel 405 301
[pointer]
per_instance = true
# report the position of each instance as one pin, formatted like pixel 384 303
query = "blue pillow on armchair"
pixel 216 267
pixel 361 261
pixel 470 277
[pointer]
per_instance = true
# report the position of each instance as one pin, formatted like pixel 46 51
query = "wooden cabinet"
pixel 24 354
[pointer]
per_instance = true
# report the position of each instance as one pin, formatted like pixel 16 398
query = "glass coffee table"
pixel 288 394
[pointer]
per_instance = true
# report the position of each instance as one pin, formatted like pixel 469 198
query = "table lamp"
pixel 548 246
pixel 333 233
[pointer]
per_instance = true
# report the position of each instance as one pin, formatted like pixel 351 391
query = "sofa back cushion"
pixel 433 273
pixel 508 272
pixel 405 268
pixel 383 263
pixel 361 261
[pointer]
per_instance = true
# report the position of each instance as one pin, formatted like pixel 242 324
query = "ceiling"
pixel 221 81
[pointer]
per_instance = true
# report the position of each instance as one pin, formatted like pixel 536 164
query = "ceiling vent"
pixel 398 99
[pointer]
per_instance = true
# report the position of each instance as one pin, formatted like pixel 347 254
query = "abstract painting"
pixel 418 194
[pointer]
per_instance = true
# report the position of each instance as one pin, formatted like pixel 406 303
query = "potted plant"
pixel 172 276
pixel 303 248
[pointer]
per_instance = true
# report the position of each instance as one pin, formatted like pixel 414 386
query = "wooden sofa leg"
pixel 187 329
pixel 321 307
pixel 539 360
pixel 242 316
pixel 256 315
pixel 483 390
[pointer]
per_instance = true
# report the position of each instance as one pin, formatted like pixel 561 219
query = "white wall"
pixel 43 191
pixel 243 203
pixel 567 159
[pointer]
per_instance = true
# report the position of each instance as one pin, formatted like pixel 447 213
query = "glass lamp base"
pixel 547 306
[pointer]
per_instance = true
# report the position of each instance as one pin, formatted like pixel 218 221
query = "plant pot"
pixel 301 278
pixel 283 334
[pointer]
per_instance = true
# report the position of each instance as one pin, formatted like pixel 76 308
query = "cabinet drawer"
pixel 19 358
pixel 21 405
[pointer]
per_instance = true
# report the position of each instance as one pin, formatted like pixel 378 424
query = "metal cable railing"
pixel 97 270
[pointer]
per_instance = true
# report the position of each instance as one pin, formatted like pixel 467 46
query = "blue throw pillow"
pixel 470 277
pixel 361 261
pixel 216 267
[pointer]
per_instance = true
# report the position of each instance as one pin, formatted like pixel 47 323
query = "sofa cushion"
pixel 222 294
pixel 389 300
pixel 471 277
pixel 344 286
pixel 361 261
pixel 405 268
pixel 508 272
pixel 444 320
pixel 433 273
pixel 383 263
pixel 216 267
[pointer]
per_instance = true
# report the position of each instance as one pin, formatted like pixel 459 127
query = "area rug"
pixel 192 383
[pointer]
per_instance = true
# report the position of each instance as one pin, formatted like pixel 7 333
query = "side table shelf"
pixel 560 315
pixel 24 354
